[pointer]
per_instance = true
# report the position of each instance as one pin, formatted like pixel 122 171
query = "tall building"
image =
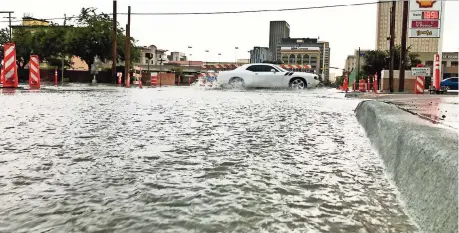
pixel 383 30
pixel 305 51
pixel 260 54
pixel 277 31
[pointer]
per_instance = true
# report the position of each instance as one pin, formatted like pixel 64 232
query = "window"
pixel 454 80
pixel 260 68
pixel 265 68
pixel 454 64
pixel 429 63
pixel 443 63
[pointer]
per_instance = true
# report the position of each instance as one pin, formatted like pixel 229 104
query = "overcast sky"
pixel 346 28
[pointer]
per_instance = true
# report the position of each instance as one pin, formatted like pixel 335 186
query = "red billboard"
pixel 424 24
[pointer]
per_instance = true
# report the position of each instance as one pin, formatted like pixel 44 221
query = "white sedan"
pixel 267 75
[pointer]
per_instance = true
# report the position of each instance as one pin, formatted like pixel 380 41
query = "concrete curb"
pixel 421 159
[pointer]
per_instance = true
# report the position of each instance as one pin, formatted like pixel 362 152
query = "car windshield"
pixel 280 68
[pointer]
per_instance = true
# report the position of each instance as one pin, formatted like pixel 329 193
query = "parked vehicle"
pixel 450 83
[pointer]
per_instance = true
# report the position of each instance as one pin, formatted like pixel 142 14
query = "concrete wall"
pixel 421 158
pixel 409 81
pixel 166 79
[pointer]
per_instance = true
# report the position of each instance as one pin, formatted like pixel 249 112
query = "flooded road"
pixel 188 160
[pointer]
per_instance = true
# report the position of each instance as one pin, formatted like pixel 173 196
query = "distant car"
pixel 267 75
pixel 450 83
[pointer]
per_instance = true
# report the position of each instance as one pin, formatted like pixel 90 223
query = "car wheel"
pixel 236 82
pixel 298 83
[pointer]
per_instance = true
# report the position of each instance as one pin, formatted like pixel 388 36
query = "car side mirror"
pixel 273 70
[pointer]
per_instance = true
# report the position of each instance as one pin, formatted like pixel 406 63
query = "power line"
pixel 49 19
pixel 270 10
pixel 259 11
pixel 233 12
pixel 241 11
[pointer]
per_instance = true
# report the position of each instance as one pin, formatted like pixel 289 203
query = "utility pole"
pixel 161 60
pixel 9 19
pixel 391 46
pixel 401 84
pixel 114 42
pixel 127 49
pixel 63 56
pixel 189 60
pixel 358 66
pixel 235 54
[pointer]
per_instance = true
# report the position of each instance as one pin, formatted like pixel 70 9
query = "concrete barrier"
pixel 422 160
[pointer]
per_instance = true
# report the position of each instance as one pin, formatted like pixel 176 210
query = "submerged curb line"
pixel 422 160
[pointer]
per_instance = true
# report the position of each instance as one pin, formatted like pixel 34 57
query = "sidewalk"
pixel 439 109
pixel 420 157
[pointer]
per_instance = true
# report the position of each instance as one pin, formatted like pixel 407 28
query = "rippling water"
pixel 189 160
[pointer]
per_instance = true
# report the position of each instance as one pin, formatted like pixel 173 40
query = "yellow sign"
pixel 425 3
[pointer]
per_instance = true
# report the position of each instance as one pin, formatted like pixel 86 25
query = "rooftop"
pixel 296 40
pixel 35 19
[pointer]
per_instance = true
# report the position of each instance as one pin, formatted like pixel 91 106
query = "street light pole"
pixel 358 65
pixel 114 42
pixel 161 60
pixel 189 52
pixel 235 54
pixel 207 56
pixel 9 20
pixel 391 46
pixel 401 84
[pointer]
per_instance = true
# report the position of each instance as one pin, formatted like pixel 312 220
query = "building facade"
pixel 177 56
pixel 260 54
pixel 301 56
pixel 358 59
pixel 305 51
pixel 242 61
pixel 350 63
pixel 383 30
pixel 277 31
pixel 154 53
pixel 449 63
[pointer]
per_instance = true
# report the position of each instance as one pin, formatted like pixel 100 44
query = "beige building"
pixel 351 60
pixel 243 61
pixel 305 51
pixel 302 56
pixel 449 63
pixel 351 63
pixel 383 30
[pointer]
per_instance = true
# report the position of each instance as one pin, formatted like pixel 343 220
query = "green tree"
pixel 25 46
pixel 49 44
pixel 376 60
pixel 53 45
pixel 411 59
pixel 92 38
pixel 178 71
pixel 338 81
pixel 4 38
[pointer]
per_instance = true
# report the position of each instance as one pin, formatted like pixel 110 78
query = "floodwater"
pixel 189 160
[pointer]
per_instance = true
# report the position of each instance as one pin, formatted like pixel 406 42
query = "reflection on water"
pixel 187 160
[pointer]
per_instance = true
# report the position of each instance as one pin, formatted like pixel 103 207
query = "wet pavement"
pixel 439 109
pixel 107 159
